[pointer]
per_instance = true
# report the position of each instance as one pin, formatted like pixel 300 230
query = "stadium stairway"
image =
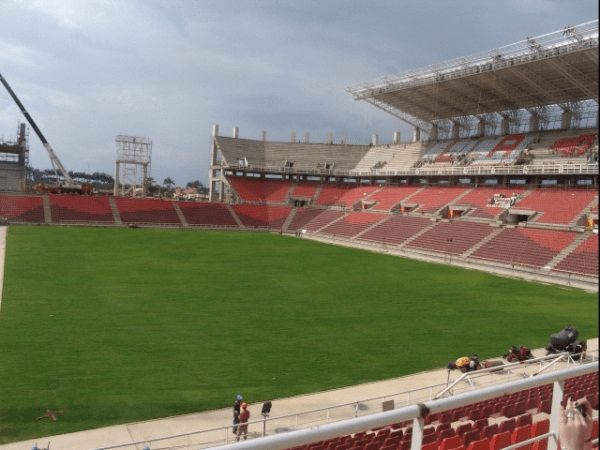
pixel 416 235
pixel 481 243
pixel 180 215
pixel 289 219
pixel 379 222
pixel 170 426
pixel 115 210
pixel 235 216
pixel 47 209
pixel 587 209
pixel 577 240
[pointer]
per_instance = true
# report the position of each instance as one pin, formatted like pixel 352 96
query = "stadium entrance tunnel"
pixel 514 217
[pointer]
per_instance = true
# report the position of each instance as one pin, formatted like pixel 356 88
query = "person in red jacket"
pixel 244 417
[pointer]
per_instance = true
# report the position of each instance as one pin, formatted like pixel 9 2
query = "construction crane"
pixel 68 184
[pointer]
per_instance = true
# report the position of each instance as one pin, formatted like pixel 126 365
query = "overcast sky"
pixel 88 70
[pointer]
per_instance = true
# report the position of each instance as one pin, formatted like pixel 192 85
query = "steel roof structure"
pixel 559 68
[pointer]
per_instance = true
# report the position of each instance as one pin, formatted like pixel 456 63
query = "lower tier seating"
pixel 584 259
pixel 80 208
pixel 558 206
pixel 215 214
pixel 525 246
pixel 353 224
pixel 138 210
pixel 22 208
pixel 395 230
pixel 262 215
pixel 454 238
pixel 432 199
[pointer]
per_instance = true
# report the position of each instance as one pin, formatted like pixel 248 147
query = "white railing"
pixel 550 169
pixel 207 438
pixel 417 414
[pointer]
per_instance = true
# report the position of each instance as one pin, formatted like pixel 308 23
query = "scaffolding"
pixel 132 152
pixel 14 159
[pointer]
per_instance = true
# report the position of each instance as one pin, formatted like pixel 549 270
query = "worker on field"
pixel 244 417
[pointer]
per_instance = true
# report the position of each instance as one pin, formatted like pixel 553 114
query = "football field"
pixel 121 325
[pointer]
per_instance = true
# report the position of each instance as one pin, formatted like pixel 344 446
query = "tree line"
pixel 103 180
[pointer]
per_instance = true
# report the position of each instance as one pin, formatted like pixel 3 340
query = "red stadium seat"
pixel 500 440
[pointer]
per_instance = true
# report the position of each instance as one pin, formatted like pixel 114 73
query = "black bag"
pixel 561 341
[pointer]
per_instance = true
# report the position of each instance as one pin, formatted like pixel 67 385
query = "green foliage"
pixel 122 325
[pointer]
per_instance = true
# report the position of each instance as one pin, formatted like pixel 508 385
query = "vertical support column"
pixel 144 180
pixel 534 123
pixel 504 126
pixel 417 434
pixel 557 396
pixel 212 176
pixel 344 138
pixel 375 139
pixel 433 136
pixel 116 187
pixel 263 135
pixel 417 134
pixel 329 138
pixel 566 120
pixel 481 128
pixel 397 137
pixel 236 132
pixel 455 130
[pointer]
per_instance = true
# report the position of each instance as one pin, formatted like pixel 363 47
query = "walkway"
pixel 135 432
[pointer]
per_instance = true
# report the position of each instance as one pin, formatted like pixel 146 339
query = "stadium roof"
pixel 559 68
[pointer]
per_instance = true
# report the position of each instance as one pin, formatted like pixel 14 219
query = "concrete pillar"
pixel 145 181
pixel 343 138
pixel 433 136
pixel 566 120
pixel 481 128
pixel 534 123
pixel 329 137
pixel 116 187
pixel 396 137
pixel 263 135
pixel 455 130
pixel 375 139
pixel 215 130
pixel 293 137
pixel 504 126
pixel 416 134
pixel 236 133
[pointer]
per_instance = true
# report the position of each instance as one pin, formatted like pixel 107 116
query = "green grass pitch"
pixel 122 325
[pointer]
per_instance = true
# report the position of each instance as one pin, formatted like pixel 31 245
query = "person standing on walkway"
pixel 244 417
pixel 236 413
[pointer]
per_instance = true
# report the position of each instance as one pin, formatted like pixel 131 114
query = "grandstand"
pixel 501 174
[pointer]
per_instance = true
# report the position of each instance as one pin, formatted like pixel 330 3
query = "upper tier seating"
pixel 353 224
pixel 479 198
pixel 304 189
pixel 261 190
pixel 525 246
pixel 454 238
pixel 387 197
pixel 584 259
pixel 558 206
pixel 395 230
pixel 504 150
pixel 390 157
pixel 215 214
pixel 573 147
pixel 432 198
pixel 80 207
pixel 304 156
pixel 139 210
pixel 262 215
pixel 22 208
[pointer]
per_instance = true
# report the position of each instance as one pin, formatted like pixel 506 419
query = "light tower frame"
pixel 132 151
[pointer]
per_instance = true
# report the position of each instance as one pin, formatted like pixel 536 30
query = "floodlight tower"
pixel 132 151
